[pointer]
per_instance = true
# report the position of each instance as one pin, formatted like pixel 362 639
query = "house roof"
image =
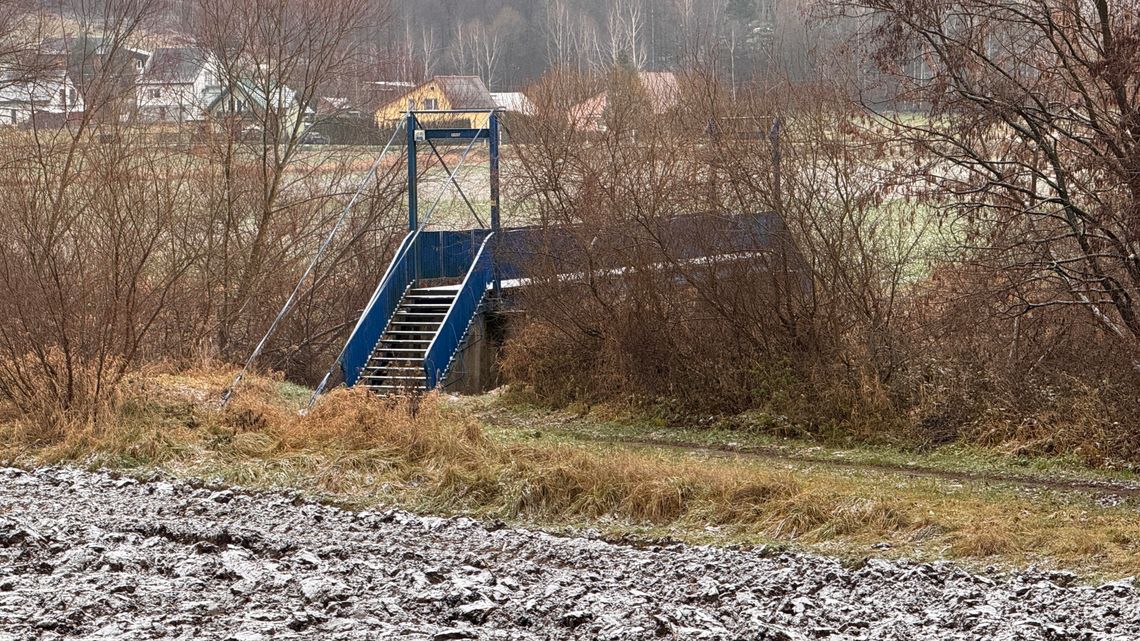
pixel 279 97
pixel 390 84
pixel 84 45
pixel 660 86
pixel 68 44
pixel 174 65
pixel 464 92
pixel 41 89
pixel 515 101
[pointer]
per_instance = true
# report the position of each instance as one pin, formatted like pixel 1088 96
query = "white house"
pixel 246 100
pixel 178 85
pixel 50 96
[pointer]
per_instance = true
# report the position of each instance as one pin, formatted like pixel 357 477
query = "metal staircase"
pixel 409 334
pixel 397 362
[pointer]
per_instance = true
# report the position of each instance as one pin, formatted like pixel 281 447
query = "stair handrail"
pixel 400 274
pixel 460 315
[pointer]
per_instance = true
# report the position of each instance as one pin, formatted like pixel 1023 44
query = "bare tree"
pixel 475 51
pixel 275 57
pixel 634 27
pixel 93 251
pixel 559 35
pixel 460 51
pixel 486 48
pixel 1030 135
pixel 429 51
pixel 20 28
pixel 624 34
pixel 587 48
pixel 407 54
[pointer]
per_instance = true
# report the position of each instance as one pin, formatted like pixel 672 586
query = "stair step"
pixel 396 363
pixel 378 361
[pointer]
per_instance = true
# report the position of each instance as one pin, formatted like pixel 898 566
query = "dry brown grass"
pixel 432 455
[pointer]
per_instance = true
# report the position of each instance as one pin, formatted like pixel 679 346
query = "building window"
pixel 156 93
pixel 431 104
pixel 13 116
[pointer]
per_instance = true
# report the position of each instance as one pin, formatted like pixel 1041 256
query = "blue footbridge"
pixel 441 286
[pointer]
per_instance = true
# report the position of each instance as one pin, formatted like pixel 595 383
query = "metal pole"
pixel 493 141
pixel 777 186
pixel 412 195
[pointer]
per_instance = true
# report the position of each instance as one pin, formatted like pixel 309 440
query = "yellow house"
pixel 442 93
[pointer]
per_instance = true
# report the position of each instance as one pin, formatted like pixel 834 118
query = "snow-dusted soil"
pixel 91 556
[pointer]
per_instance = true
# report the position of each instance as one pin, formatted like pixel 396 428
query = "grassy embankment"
pixel 486 459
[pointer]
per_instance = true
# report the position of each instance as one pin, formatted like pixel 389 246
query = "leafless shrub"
pixel 125 245
pixel 1015 122
pixel 648 318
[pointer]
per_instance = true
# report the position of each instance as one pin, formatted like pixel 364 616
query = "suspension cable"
pixel 227 394
pixel 426 219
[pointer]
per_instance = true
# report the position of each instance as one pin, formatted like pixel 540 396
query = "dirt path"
pixel 89 556
pixel 1100 487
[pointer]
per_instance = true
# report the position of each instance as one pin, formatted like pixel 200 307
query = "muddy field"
pixel 91 556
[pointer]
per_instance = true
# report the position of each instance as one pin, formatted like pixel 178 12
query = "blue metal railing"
pixel 423 254
pixel 455 325
pixel 374 320
pixel 521 253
